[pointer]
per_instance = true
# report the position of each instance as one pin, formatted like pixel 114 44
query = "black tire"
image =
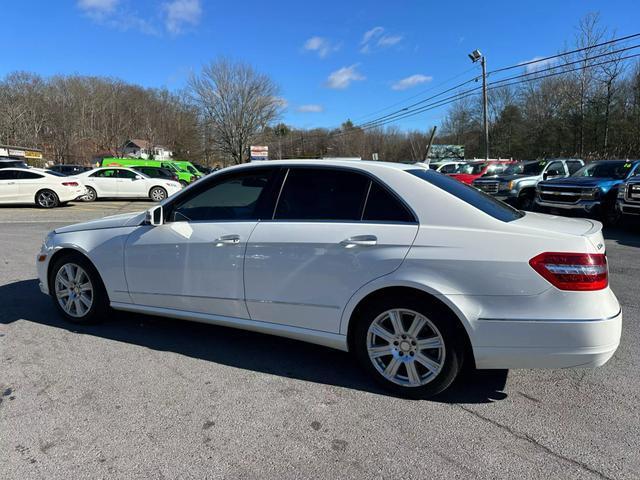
pixel 157 194
pixel 611 215
pixel 527 201
pixel 99 300
pixel 91 195
pixel 47 199
pixel 447 326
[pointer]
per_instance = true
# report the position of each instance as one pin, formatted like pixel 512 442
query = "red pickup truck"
pixel 469 172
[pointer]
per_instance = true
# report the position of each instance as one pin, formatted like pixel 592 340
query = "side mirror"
pixel 138 177
pixel 155 216
pixel 545 175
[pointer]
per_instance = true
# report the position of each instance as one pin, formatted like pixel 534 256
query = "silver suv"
pixel 517 184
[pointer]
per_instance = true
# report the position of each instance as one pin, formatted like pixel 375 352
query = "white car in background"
pixel 35 186
pixel 411 270
pixel 122 182
pixel 446 167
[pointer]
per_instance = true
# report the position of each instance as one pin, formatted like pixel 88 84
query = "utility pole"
pixel 485 107
pixel 475 56
pixel 431 137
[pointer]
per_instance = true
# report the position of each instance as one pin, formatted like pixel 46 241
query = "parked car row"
pixel 48 188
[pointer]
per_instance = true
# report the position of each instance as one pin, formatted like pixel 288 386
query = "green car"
pixel 189 167
pixel 184 175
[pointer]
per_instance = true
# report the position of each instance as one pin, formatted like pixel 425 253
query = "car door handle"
pixel 360 240
pixel 227 239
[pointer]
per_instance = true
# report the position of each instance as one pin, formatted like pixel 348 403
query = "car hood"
pixel 580 181
pixel 113 221
pixel 502 178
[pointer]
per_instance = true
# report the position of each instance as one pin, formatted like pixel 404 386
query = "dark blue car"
pixel 592 190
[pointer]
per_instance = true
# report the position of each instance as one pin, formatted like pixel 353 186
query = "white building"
pixel 138 148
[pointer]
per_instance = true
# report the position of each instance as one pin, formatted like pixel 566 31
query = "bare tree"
pixel 237 103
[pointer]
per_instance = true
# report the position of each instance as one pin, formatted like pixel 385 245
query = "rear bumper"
pixel 548 343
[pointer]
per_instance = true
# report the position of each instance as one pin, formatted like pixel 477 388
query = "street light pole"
pixel 475 56
pixel 483 62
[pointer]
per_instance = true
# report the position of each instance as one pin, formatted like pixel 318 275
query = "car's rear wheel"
pixel 410 347
pixel 47 199
pixel 77 290
pixel 91 195
pixel 157 194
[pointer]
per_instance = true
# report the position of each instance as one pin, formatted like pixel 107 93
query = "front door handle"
pixel 360 241
pixel 227 239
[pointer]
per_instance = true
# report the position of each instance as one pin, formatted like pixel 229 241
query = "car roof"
pixel 358 164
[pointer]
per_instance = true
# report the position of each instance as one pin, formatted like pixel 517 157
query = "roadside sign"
pixel 32 154
pixel 259 152
pixel 16 153
pixel 4 152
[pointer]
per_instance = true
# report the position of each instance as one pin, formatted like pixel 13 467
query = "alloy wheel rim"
pixel 74 290
pixel 46 199
pixel 157 194
pixel 91 194
pixel 405 347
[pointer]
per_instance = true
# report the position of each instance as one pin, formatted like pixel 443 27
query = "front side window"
pixel 237 197
pixel 8 174
pixel 480 200
pixel 28 175
pixel 107 173
pixel 555 169
pixel 126 174
pixel 322 194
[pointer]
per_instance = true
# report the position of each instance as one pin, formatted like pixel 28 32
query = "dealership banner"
pixel 259 152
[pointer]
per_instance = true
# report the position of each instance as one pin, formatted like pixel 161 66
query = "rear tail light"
pixel 70 184
pixel 573 271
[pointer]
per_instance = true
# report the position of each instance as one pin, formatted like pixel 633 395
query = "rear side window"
pixel 383 206
pixel 322 194
pixel 480 200
pixel 573 166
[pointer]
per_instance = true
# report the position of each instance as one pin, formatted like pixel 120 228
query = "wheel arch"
pixel 70 250
pixel 352 315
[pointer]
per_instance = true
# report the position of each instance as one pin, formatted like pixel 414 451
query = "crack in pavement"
pixel 533 441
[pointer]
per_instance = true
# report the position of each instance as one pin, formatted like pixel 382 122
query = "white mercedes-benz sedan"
pixel 412 271
pixel 35 186
pixel 122 182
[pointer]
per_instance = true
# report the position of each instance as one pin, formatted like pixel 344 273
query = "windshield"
pixel 528 168
pixel 616 169
pixel 472 168
pixel 476 198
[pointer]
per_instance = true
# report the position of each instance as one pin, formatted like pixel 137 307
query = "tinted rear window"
pixel 476 198
pixel 382 206
pixel 322 194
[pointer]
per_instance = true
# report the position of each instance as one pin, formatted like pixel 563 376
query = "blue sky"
pixel 333 59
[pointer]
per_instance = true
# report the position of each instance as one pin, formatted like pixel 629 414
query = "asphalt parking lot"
pixel 144 397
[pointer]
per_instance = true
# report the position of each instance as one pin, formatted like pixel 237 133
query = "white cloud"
pixel 377 37
pixel 320 45
pixel 410 82
pixel 389 40
pixel 538 65
pixel 369 34
pixel 311 108
pixel 181 13
pixel 97 8
pixel 342 78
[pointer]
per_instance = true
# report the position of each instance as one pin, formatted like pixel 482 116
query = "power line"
pixel 417 94
pixel 492 86
pixel 578 50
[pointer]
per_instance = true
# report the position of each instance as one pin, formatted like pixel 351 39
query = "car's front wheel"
pixel 47 199
pixel 410 347
pixel 77 290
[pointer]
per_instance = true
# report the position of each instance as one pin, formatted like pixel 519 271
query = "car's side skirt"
pixel 331 340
